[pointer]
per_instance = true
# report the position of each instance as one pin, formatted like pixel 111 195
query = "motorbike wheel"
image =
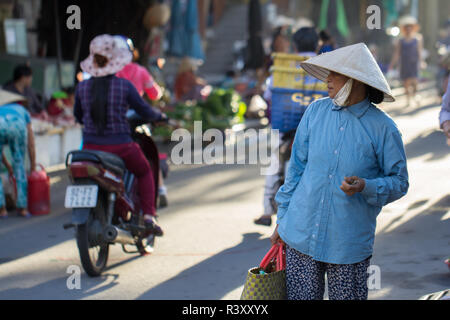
pixel 146 245
pixel 93 252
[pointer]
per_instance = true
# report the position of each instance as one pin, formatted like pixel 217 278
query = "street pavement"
pixel 210 240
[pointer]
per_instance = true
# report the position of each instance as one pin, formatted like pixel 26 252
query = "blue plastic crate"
pixel 289 105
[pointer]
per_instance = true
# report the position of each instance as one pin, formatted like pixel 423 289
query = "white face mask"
pixel 341 97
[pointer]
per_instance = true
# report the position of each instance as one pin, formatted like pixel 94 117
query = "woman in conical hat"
pixel 408 53
pixel 16 132
pixel 347 162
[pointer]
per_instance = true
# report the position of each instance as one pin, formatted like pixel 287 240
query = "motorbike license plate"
pixel 81 197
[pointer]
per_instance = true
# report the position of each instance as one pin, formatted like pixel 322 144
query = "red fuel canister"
pixel 39 192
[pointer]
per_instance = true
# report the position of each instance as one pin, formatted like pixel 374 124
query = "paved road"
pixel 211 241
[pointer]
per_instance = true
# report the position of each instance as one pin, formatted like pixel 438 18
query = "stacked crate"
pixel 292 91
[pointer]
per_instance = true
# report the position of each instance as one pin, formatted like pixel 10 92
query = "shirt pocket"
pixel 364 150
pixel 358 158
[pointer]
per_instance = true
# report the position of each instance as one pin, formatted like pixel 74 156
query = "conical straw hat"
pixel 353 61
pixel 8 97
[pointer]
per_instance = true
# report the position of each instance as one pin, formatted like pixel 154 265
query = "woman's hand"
pixel 275 237
pixel 352 185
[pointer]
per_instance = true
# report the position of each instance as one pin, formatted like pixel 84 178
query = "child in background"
pixel 408 51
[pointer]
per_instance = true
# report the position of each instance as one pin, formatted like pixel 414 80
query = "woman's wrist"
pixel 362 184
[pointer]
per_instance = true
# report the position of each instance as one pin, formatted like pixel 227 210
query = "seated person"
pixel 187 85
pixel 21 84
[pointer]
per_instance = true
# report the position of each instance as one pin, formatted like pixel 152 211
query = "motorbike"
pixel 103 196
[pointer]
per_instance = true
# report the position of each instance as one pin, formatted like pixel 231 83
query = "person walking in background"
pixel 188 86
pixel 408 53
pixel 281 43
pixel 305 41
pixel 347 162
pixel 16 132
pixel 21 85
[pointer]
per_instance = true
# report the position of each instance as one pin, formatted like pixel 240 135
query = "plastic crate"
pixel 289 105
pixel 287 78
pixel 288 60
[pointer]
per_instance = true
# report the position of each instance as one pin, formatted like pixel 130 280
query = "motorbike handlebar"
pixel 136 120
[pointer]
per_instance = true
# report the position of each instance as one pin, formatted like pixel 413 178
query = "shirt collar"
pixel 358 109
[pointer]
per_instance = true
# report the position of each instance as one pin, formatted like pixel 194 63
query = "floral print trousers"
pixel 13 133
pixel 305 278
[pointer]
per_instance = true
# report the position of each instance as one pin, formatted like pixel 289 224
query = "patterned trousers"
pixel 305 278
pixel 13 133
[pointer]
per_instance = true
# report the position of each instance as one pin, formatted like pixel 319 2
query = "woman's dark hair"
pixel 100 60
pixel 325 36
pixel 99 104
pixel 306 39
pixel 375 96
pixel 21 71
pixel 99 94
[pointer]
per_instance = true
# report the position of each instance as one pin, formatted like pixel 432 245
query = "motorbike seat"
pixel 108 160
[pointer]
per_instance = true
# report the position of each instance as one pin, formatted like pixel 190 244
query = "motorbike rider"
pixel 101 104
pixel 306 41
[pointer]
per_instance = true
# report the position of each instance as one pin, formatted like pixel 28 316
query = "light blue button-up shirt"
pixel 315 216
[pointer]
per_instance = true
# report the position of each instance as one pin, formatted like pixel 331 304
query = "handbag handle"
pixel 277 253
pixel 269 256
pixel 281 258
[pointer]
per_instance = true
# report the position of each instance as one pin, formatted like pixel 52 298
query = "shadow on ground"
pixel 429 142
pixel 57 289
pixel 27 236
pixel 216 276
pixel 409 111
pixel 416 266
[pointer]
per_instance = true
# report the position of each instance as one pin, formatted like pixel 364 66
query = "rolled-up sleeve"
pixel 394 183
pixel 444 115
pixel 296 167
pixel 140 106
